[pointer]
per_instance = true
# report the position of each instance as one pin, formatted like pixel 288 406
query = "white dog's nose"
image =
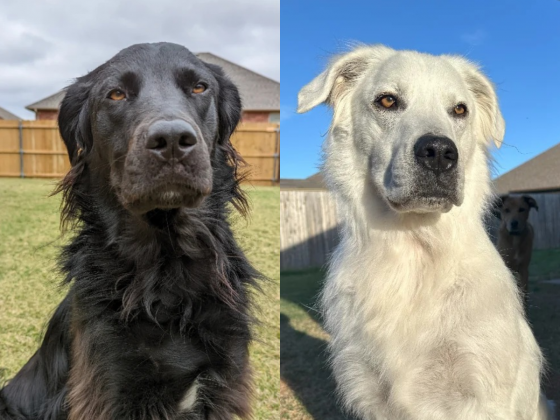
pixel 437 154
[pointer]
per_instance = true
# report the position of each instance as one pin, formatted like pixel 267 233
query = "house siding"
pixel 42 114
pixel 255 116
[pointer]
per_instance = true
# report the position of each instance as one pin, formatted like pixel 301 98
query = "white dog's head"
pixel 407 123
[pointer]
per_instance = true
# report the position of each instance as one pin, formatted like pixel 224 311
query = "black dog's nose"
pixel 171 138
pixel 438 154
pixel 514 224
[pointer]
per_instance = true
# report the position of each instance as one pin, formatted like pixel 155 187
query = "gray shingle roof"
pixel 538 174
pixel 258 93
pixel 7 115
pixel 49 103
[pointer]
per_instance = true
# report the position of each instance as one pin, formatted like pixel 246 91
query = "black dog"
pixel 157 322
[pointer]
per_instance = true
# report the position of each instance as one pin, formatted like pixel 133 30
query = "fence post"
pixel 276 157
pixel 21 171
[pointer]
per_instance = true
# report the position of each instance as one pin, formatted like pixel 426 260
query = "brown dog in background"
pixel 515 236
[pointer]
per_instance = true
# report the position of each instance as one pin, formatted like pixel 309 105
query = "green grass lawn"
pixel 307 388
pixel 30 241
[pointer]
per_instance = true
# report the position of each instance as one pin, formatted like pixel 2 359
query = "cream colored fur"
pixel 425 319
pixel 189 399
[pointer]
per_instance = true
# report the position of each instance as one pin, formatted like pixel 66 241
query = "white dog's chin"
pixel 421 205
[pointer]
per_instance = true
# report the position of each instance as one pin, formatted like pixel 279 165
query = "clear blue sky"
pixel 517 42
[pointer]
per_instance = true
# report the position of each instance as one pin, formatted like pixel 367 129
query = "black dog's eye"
pixel 387 101
pixel 460 110
pixel 521 210
pixel 117 95
pixel 199 88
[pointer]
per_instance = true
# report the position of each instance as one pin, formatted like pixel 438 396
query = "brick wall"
pixel 46 115
pixel 255 116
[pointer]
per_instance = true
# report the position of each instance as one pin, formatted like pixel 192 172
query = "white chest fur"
pixel 189 399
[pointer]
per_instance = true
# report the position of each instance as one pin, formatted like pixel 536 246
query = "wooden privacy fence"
pixel 34 149
pixel 259 144
pixel 308 226
pixel 308 229
pixel 546 221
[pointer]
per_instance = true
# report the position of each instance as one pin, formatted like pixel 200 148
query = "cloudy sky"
pixel 44 44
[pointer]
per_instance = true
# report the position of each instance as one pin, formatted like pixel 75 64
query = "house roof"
pixel 314 182
pixel 541 173
pixel 50 103
pixel 7 115
pixel 258 93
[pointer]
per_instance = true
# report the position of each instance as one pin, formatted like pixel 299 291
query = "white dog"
pixel 426 320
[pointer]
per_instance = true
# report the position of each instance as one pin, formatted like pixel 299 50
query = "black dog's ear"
pixel 75 129
pixel 73 120
pixel 531 202
pixel 497 206
pixel 229 115
pixel 229 105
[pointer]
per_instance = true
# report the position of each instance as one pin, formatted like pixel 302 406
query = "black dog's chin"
pixel 164 200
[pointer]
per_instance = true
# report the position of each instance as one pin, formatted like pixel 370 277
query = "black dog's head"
pixel 151 124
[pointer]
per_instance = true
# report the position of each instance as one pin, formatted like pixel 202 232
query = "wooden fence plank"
pixel 308 229
pixel 43 153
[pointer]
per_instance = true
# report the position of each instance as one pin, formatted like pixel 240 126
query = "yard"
pixel 306 388
pixel 29 292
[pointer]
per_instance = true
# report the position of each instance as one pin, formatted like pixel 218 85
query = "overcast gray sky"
pixel 44 44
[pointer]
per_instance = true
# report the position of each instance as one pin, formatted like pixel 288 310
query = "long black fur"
pixel 154 305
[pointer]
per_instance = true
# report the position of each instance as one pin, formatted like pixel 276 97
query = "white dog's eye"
pixel 460 109
pixel 387 101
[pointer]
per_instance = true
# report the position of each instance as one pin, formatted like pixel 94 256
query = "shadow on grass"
pixel 303 367
pixel 545 264
pixel 543 313
pixel 303 362
pixel 302 288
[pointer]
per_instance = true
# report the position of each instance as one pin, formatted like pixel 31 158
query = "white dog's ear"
pixel 490 122
pixel 342 72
